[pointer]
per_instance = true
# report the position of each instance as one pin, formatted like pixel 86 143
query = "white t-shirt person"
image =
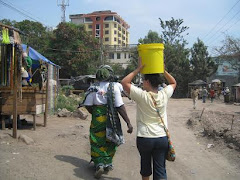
pixel 148 120
pixel 100 97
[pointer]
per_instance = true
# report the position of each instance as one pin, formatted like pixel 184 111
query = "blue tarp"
pixel 34 55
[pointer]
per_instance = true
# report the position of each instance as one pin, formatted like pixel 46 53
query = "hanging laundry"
pixel 5 36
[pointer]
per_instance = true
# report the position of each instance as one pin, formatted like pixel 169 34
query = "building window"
pixel 106 39
pixel 125 55
pixel 89 26
pixel 118 55
pixel 88 19
pixel 111 55
pixel 97 26
pixel 116 19
pixel 106 25
pixel 108 18
pixel 115 25
pixel 97 33
pixel 115 39
pixel 107 32
pixel 115 32
pixel 98 18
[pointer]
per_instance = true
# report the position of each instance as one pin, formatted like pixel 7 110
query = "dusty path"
pixel 61 150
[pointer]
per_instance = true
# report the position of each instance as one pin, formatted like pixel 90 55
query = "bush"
pixel 66 90
pixel 69 102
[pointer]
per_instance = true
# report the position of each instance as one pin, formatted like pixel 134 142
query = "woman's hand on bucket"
pixel 140 65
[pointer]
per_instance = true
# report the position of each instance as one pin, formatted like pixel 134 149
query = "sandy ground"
pixel 61 150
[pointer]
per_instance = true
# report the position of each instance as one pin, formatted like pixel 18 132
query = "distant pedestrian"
pixel 204 94
pixel 194 95
pixel 226 94
pixel 212 94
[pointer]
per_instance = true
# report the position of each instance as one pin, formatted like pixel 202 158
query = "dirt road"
pixel 61 150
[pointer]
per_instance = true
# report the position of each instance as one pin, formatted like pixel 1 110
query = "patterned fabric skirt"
pixel 102 150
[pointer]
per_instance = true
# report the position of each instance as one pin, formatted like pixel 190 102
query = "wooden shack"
pixel 16 100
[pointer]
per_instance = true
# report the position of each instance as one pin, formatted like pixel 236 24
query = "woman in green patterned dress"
pixel 104 101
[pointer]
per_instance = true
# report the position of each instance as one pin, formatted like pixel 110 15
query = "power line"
pixel 15 9
pixel 222 26
pixel 224 31
pixel 23 10
pixel 221 19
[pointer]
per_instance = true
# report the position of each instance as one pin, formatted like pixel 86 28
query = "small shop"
pixel 24 80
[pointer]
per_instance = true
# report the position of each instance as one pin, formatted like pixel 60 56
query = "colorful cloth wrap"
pixel 102 150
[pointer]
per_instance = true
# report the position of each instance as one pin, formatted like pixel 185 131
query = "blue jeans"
pixel 156 149
pixel 204 99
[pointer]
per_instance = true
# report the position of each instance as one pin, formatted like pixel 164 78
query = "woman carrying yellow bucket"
pixel 152 140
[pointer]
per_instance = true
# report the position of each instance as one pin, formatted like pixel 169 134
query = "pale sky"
pixel 208 20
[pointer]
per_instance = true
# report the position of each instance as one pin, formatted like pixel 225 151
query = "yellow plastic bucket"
pixel 152 57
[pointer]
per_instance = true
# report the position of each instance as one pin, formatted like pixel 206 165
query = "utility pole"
pixel 63 5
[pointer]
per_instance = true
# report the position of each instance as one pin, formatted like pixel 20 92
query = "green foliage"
pixel 133 64
pixel 117 69
pixel 66 101
pixel 77 52
pixel 69 46
pixel 176 55
pixel 173 31
pixel 35 34
pixel 202 65
pixel 8 22
pixel 152 37
pixel 69 103
pixel 66 89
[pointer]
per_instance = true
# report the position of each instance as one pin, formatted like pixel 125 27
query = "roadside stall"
pixel 18 95
pixel 217 85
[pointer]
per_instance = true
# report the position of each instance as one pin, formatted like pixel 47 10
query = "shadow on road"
pixel 84 170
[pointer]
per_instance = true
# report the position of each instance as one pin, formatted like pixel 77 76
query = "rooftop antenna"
pixel 63 4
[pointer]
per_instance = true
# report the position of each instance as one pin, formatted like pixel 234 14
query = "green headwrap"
pixel 104 73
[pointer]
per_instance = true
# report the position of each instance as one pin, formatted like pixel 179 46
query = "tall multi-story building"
pixel 111 30
pixel 106 25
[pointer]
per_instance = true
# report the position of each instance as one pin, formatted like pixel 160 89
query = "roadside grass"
pixel 67 100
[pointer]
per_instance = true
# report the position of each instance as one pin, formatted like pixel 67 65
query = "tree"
pixel 230 51
pixel 173 31
pixel 36 35
pixel 8 22
pixel 33 33
pixel 230 47
pixel 201 63
pixel 152 37
pixel 176 55
pixel 117 68
pixel 74 50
